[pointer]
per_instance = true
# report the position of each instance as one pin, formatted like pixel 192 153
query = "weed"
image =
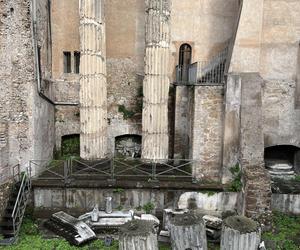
pixel 118 190
pixel 120 208
pixel 236 184
pixel 148 207
pixel 286 232
pixel 208 192
pixel 127 114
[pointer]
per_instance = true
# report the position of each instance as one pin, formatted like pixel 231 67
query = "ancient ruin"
pixel 167 106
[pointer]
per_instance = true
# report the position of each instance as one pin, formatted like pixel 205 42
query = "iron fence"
pixel 49 170
pixel 116 169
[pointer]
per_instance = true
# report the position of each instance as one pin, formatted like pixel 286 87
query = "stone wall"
pixel 207 131
pixel 256 179
pixel 280 118
pixel 26 118
pixel 5 191
pixel 78 201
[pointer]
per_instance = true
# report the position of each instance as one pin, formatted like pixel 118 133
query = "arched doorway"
pixel 185 58
pixel 282 160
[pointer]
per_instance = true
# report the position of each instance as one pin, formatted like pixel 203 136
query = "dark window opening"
pixel 128 146
pixel 76 62
pixel 185 58
pixel 67 62
pixel 70 145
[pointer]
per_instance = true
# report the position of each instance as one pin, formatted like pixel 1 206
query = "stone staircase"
pixel 14 212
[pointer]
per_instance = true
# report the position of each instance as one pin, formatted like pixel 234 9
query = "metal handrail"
pixel 204 72
pixel 17 213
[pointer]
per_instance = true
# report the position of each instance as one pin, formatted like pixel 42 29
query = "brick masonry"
pixel 207 131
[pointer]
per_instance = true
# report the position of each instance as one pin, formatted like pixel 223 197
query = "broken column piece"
pixel 169 213
pixel 72 229
pixel 93 89
pixel 138 234
pixel 187 231
pixel 95 214
pixel 213 227
pixel 155 144
pixel 240 232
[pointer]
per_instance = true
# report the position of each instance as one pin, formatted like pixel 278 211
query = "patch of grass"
pixel 285 232
pixel 31 239
pixel 163 246
pixel 213 246
pixel 148 207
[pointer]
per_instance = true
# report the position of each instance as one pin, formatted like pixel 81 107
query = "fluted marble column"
pixel 93 90
pixel 155 143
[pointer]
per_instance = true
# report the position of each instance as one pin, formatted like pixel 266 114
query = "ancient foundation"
pixel 93 92
pixel 155 144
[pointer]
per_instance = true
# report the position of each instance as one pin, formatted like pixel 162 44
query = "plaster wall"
pixel 206 25
pixel 267 42
pixel 25 118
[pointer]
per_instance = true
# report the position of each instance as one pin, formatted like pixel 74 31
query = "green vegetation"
pixel 148 207
pixel 297 178
pixel 208 192
pixel 127 114
pixel 118 190
pixel 70 146
pixel 137 109
pixel 120 208
pixel 236 184
pixel 139 208
pixel 285 232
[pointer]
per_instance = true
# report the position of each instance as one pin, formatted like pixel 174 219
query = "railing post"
pixel 66 163
pixel 112 169
pixel 112 179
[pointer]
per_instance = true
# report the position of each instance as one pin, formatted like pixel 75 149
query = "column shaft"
pixel 156 83
pixel 93 89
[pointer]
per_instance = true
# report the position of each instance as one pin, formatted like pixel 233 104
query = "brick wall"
pixel 207 131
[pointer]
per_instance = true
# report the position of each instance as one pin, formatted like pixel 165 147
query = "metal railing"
pixel 118 169
pixel 49 170
pixel 21 201
pixel 203 72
